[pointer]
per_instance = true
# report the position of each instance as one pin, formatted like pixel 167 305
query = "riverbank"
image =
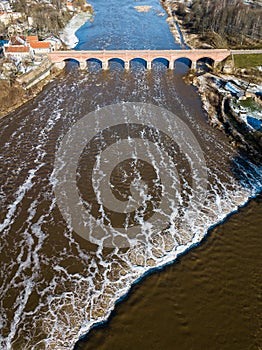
pixel 179 34
pixel 222 98
pixel 68 35
pixel 178 29
pixel 13 96
pixel 216 101
pixel 209 25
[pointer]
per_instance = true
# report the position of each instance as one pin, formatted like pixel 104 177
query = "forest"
pixel 231 22
pixel 47 17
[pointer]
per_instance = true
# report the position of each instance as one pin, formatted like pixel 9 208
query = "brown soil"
pixel 13 96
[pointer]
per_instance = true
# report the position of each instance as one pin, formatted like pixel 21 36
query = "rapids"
pixel 55 283
pixel 129 150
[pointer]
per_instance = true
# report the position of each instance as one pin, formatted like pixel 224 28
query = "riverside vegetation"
pixel 232 24
pixel 227 23
pixel 47 18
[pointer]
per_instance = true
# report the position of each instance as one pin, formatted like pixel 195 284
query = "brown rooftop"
pixel 40 44
pixel 19 48
pixel 31 38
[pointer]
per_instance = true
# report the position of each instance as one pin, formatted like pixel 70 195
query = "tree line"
pixel 48 17
pixel 234 21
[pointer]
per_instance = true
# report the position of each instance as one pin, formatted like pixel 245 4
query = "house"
pixel 233 89
pixel 5 17
pixel 9 17
pixel 3 42
pixel 22 46
pixel 39 47
pixel 5 5
pixel 31 42
pixel 17 52
pixel 30 21
pixel 31 38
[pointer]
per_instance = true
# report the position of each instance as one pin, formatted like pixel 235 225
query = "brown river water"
pixel 209 299
pixel 149 177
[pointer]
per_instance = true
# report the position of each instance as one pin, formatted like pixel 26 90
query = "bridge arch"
pixel 71 64
pixel 94 64
pixel 183 60
pixel 163 61
pixel 116 63
pixel 138 63
pixel 205 63
pixel 71 60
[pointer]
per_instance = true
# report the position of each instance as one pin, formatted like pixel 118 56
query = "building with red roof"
pixel 20 46
pixel 17 51
pixel 40 46
pixel 31 38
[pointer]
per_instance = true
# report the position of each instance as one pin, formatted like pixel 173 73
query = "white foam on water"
pixel 26 186
pixel 142 258
pixel 29 183
pixel 72 303
pixel 32 243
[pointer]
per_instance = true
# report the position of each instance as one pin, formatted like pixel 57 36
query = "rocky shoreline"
pixel 172 21
pixel 221 115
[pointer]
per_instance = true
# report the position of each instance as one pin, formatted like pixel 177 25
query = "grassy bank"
pixel 247 60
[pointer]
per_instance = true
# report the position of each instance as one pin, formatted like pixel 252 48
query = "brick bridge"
pixel 125 57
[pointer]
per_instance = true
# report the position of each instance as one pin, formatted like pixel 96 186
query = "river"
pixel 208 299
pixel 105 176
pixel 119 25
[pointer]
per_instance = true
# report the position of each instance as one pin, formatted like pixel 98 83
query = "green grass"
pixel 247 60
pixel 249 104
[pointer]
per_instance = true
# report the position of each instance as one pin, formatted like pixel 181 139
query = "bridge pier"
pixel 127 65
pixel 149 65
pixel 82 65
pixel 193 65
pixel 104 65
pixel 216 63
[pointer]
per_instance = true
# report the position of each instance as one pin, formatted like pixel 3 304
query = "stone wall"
pixel 31 78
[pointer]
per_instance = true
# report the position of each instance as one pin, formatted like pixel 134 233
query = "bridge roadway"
pixel 148 56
